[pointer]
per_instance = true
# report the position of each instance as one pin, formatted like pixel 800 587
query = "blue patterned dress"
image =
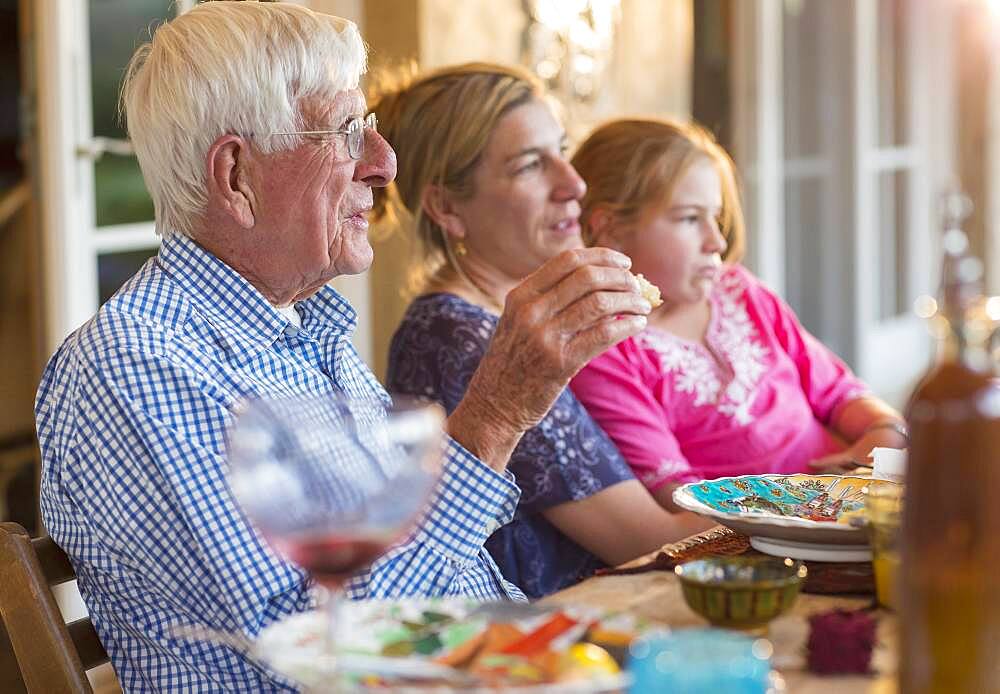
pixel 567 457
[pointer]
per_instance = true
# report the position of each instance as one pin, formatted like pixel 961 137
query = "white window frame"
pixel 889 354
pixel 72 243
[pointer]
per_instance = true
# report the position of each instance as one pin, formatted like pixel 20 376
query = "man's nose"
pixel 377 166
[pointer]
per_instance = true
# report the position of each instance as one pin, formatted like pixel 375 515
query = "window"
pixel 99 225
pixel 832 125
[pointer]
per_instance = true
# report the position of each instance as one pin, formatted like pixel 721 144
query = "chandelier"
pixel 568 43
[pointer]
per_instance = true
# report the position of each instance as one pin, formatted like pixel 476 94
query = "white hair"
pixel 227 67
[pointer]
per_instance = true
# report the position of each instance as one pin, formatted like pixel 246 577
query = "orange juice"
pixel 886 567
pixel 883 507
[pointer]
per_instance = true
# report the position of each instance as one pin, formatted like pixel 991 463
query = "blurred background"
pixel 847 119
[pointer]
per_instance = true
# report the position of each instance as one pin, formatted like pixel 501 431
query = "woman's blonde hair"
pixel 227 67
pixel 439 124
pixel 631 162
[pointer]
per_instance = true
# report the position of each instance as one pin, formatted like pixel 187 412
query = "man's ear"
pixel 604 229
pixel 438 205
pixel 227 179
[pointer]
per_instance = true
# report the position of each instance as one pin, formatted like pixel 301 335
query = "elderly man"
pixel 251 133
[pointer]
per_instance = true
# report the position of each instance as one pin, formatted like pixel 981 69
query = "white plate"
pixel 772 510
pixel 811 551
pixel 295 646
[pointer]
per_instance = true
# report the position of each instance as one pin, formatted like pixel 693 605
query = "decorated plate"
pixel 446 645
pixel 796 509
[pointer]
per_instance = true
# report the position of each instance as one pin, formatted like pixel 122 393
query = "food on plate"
pixel 585 660
pixel 497 651
pixel 451 644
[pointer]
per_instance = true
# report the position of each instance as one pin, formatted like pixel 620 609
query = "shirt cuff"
pixel 857 392
pixel 668 471
pixel 471 501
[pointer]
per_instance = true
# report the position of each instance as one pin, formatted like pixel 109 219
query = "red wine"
pixel 331 559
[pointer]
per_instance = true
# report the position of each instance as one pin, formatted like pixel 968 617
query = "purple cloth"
pixel 757 397
pixel 567 457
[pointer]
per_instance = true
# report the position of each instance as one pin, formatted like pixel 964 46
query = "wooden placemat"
pixel 826 578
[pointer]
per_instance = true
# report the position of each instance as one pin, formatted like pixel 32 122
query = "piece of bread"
pixel 650 292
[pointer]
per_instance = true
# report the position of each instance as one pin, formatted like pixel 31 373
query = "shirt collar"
pixel 235 307
pixel 329 309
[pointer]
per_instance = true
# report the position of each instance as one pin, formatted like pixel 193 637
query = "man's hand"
pixel 570 310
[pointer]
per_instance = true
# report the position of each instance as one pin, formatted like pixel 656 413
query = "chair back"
pixel 51 656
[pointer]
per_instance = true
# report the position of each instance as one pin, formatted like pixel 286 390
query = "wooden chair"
pixel 51 656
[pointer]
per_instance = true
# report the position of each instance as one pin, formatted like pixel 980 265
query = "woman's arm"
pixel 865 423
pixel 840 400
pixel 623 522
pixel 665 497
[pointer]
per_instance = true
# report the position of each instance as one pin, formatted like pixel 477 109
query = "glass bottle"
pixel 950 581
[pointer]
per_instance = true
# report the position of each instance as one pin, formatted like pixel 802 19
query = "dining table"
pixel 655 595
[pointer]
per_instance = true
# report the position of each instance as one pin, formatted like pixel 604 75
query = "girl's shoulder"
pixel 740 289
pixel 735 279
pixel 636 355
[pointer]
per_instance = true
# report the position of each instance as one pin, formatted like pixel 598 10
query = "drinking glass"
pixel 702 661
pixel 331 483
pixel 884 509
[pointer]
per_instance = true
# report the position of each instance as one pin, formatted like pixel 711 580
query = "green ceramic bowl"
pixel 741 592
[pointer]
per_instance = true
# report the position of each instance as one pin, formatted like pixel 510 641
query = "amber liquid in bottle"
pixel 950 587
pixel 950 579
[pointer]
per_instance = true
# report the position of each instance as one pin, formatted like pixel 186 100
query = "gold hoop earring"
pixel 460 249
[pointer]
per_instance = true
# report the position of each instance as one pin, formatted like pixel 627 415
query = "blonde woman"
pixel 723 380
pixel 485 185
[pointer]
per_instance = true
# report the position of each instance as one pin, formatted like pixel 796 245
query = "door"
pixel 97 215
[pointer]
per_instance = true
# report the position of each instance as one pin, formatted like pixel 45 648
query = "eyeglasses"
pixel 355 132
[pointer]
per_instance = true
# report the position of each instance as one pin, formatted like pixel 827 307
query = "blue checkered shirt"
pixel 132 413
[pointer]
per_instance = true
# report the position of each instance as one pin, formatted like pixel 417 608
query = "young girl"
pixel 724 380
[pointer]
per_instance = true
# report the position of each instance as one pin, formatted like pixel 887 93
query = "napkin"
pixel 889 464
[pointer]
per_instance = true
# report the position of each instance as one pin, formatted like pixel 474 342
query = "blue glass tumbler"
pixel 700 661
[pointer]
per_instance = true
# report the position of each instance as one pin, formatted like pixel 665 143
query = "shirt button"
pixel 492 526
pixel 291 330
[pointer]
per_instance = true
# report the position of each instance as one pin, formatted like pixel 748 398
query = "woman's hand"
pixel 567 312
pixel 877 426
pixel 858 453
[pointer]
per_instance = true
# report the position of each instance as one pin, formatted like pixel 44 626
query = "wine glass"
pixel 333 482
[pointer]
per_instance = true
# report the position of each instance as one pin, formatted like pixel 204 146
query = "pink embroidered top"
pixel 757 397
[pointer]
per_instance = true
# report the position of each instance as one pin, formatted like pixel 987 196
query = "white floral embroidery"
pixel 735 339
